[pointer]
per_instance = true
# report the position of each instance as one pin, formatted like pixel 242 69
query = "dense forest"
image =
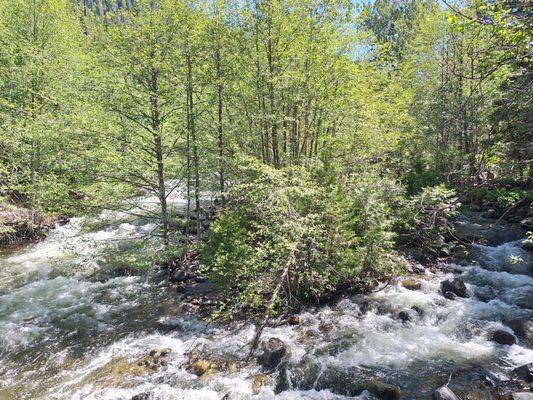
pixel 314 143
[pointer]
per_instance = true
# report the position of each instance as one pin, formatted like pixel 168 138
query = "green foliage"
pixel 502 197
pixel 329 238
pixel 426 218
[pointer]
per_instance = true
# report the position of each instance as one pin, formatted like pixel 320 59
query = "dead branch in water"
pixel 268 310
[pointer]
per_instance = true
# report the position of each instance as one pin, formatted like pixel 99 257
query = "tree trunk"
pixel 193 142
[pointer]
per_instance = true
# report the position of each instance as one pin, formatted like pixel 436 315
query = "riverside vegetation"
pixel 281 153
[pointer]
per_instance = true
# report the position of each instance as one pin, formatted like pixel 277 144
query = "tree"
pixel 140 81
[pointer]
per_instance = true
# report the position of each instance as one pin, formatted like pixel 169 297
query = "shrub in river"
pixel 283 239
pixel 426 219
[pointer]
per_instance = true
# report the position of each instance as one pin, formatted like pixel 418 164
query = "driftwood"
pixel 268 310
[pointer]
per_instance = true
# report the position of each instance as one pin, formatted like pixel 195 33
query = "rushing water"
pixel 72 328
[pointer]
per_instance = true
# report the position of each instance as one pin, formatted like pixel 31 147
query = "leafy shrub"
pixel 280 224
pixel 502 197
pixel 427 218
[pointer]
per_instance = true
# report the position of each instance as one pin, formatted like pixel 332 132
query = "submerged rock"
pixel 408 315
pixel 384 391
pixel 525 372
pixel 501 336
pixel 142 396
pixel 258 381
pixel 450 295
pixel 456 286
pixel 444 393
pixel 273 351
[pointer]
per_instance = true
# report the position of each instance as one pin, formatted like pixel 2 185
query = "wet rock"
pixel 283 381
pixel 450 295
pixel 302 376
pixel 232 367
pixel 455 285
pixel 527 245
pixel 444 393
pixel 384 391
pixel 273 351
pixel 485 294
pixel 523 329
pixel 523 396
pixel 169 326
pixel 418 268
pixel 418 310
pixel 202 367
pixel 142 396
pixel 472 228
pixel 195 302
pixel 411 284
pixel 525 372
pixel 501 336
pixel 179 275
pixel 408 315
pixel 294 320
pixel 527 223
pixel 154 359
pixel 325 326
pixel 258 381
pixel 419 255
pixel 491 213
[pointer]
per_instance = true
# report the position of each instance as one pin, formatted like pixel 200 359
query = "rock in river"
pixel 384 391
pixel 525 372
pixel 501 336
pixel 455 285
pixel 444 393
pixel 273 351
pixel 411 284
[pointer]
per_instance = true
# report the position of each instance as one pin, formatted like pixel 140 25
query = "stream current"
pixel 68 323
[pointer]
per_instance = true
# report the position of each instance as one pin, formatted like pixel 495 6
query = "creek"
pixel 72 327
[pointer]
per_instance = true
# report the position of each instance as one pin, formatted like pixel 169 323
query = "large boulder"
pixel 455 286
pixel 444 393
pixel 501 336
pixel 273 351
pixel 525 372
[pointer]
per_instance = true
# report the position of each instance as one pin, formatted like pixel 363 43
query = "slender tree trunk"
pixel 272 100
pixel 158 150
pixel 219 125
pixel 193 142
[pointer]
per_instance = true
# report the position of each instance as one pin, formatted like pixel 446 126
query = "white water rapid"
pixel 73 327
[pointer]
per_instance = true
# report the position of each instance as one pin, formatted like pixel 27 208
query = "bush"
pixel 502 197
pixel 427 218
pixel 280 224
